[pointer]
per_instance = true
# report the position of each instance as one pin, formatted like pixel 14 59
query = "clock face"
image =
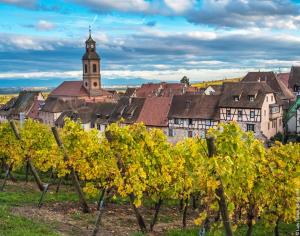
pixel 92 46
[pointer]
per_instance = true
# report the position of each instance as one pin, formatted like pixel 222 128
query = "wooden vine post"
pixel 220 192
pixel 42 187
pixel 121 167
pixel 82 200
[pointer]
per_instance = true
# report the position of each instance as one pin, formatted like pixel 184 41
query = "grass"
pixel 12 196
pixel 214 82
pixel 12 225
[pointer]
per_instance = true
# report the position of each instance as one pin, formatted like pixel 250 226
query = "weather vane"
pixel 90 31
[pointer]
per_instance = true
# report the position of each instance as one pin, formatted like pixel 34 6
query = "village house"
pixel 54 107
pixel 192 115
pixel 152 111
pixel 91 115
pixel 26 105
pixel 254 105
pixel 277 85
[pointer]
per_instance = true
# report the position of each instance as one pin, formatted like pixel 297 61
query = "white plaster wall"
pixel 292 124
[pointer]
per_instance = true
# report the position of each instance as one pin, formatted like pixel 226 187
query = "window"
pixel 202 134
pixel 250 127
pixel 190 121
pixel 86 84
pixel 171 133
pixel 272 98
pixel 251 98
pixel 236 98
pixel 228 114
pixel 208 123
pixel 176 121
pixel 85 68
pixel 275 109
pixel 265 112
pixel 240 114
pixel 92 125
pixel 252 114
pixel 95 84
pixel 98 127
pixel 94 68
pixel 190 133
pixel 267 98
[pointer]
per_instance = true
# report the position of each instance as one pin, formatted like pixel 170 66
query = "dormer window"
pixel 251 98
pixel 236 98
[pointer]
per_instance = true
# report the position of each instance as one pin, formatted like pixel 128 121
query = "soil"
pixel 117 219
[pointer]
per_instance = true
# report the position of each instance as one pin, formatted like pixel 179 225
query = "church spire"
pixel 91 66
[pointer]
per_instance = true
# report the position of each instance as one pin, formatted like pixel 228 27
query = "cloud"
pixel 280 14
pixel 45 25
pixel 17 42
pixel 21 3
pixel 123 6
pixel 165 53
pixel 180 6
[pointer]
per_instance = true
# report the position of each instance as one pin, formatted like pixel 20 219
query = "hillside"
pixel 215 82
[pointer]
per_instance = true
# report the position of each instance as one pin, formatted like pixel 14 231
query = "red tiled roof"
pixel 160 90
pixel 155 111
pixel 284 77
pixel 70 89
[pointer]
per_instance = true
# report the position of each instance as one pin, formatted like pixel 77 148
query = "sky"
pixel 148 39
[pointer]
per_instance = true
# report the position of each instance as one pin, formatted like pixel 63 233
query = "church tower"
pixel 91 67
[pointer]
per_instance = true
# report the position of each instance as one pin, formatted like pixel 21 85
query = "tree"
pixel 185 80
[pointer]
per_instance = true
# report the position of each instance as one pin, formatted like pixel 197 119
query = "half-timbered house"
pixel 276 84
pixel 254 105
pixel 192 115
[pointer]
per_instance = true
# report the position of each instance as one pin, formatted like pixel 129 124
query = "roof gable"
pixel 155 111
pixel 245 91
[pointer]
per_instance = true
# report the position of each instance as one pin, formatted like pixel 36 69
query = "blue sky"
pixel 157 40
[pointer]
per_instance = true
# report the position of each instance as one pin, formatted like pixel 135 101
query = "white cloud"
pixel 45 25
pixel 23 3
pixel 126 6
pixel 160 75
pixel 180 6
